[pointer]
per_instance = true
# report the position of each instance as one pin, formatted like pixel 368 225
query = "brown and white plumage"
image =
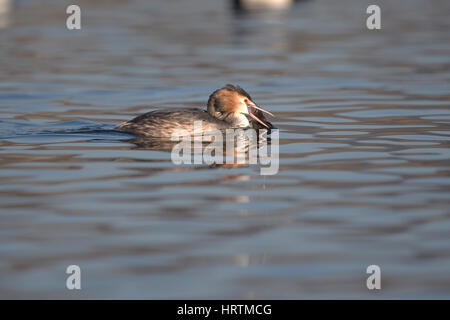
pixel 227 107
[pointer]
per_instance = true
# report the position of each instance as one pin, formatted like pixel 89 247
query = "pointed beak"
pixel 255 117
pixel 260 109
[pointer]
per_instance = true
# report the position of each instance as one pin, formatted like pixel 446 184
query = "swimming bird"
pixel 227 108
pixel 249 5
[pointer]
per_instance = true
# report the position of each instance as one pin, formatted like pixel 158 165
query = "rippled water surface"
pixel 364 120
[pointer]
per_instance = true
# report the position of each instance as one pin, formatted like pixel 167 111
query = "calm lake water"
pixel 364 177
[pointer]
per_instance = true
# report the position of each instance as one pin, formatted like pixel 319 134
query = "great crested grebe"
pixel 227 108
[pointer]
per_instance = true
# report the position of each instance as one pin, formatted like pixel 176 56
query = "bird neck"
pixel 236 120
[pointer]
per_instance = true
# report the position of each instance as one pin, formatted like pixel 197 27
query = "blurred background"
pixel 364 120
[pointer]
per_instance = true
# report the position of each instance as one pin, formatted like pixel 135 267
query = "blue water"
pixel 364 152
